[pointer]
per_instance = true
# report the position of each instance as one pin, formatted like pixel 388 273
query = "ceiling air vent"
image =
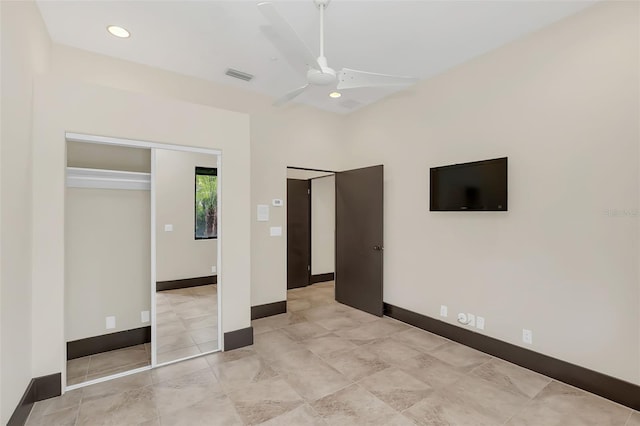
pixel 239 74
pixel 350 104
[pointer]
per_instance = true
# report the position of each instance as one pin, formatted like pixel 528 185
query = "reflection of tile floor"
pixel 186 325
pixel 323 363
pixel 107 363
pixel 187 322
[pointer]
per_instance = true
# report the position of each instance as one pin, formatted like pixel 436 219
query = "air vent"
pixel 350 104
pixel 239 74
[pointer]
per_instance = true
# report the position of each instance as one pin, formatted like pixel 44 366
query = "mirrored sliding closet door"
pixel 186 253
pixel 107 260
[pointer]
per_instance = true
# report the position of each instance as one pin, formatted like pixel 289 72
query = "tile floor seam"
pixel 522 409
pixel 381 400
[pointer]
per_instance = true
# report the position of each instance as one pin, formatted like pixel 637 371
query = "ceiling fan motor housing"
pixel 323 76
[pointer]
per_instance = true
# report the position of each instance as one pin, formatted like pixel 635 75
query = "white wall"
pixel 61 105
pixel 107 260
pixel 25 52
pixel 108 157
pixel 563 105
pixel 323 225
pixel 178 254
pixel 290 136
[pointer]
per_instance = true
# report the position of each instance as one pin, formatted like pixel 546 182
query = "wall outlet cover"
pixel 527 336
pixel 144 316
pixel 443 310
pixel 480 323
pixel 213 269
pixel 168 228
pixel 471 320
pixel 110 322
pixel 277 202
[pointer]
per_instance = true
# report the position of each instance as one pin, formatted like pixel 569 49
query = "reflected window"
pixel 206 203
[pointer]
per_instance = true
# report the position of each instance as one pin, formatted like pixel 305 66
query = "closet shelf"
pixel 107 179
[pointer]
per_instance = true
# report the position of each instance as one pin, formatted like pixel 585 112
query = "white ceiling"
pixel 204 38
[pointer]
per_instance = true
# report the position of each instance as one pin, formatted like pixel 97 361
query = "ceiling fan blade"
pixel 289 96
pixel 285 38
pixel 351 79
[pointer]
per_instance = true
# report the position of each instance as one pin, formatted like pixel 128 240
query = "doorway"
pixel 354 234
pixel 310 226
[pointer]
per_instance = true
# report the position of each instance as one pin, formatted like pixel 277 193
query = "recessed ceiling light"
pixel 118 31
pixel 335 95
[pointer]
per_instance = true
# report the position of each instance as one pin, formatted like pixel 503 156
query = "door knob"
pixel 378 248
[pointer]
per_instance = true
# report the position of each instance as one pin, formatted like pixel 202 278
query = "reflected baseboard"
pixel 186 283
pixel 108 342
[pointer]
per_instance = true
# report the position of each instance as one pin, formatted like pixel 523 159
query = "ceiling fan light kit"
pixel 318 71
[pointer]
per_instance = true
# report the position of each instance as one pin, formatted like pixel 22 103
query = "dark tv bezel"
pixel 465 165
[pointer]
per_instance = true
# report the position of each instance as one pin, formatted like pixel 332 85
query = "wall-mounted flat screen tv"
pixel 476 186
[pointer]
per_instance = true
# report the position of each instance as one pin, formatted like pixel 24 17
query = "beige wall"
pixel 108 157
pixel 62 104
pixel 107 260
pixel 563 105
pixel 280 137
pixel 25 52
pixel 178 254
pixel 323 219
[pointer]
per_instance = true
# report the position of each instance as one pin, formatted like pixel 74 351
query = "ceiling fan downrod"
pixel 325 75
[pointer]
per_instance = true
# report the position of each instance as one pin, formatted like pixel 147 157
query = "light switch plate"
pixel 168 228
pixel 275 231
pixel 263 213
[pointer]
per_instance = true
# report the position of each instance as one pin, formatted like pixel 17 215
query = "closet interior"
pixel 107 260
pixel 141 258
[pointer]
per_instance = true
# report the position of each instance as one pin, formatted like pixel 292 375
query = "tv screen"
pixel 477 186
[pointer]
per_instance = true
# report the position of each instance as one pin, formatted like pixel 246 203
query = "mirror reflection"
pixel 107 260
pixel 186 201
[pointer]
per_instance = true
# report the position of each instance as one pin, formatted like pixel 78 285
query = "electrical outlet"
pixel 144 316
pixel 527 336
pixel 443 311
pixel 110 322
pixel 213 269
pixel 471 320
pixel 480 323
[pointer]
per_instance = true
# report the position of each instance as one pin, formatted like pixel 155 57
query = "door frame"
pixel 153 146
pixel 286 263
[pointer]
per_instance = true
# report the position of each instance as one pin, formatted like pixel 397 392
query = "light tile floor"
pixel 323 363
pixel 187 322
pixel 187 325
pixel 107 363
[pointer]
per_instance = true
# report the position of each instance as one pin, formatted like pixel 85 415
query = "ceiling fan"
pixel 318 72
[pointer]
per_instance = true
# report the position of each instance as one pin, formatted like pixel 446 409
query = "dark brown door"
pixel 298 233
pixel 359 244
